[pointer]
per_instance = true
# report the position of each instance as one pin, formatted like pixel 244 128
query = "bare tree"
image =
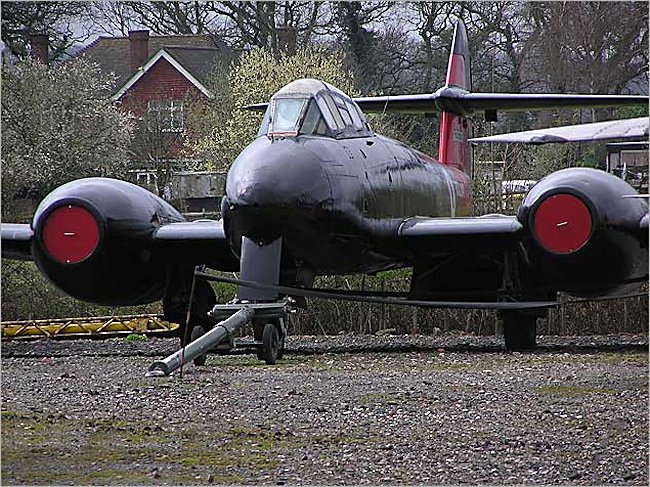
pixel 591 47
pixel 431 21
pixel 276 25
pixel 162 18
pixel 59 20
pixel 240 24
pixel 157 142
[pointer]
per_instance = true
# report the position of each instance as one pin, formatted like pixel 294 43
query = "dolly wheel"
pixel 198 331
pixel 271 343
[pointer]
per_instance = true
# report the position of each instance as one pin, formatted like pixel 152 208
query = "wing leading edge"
pixel 16 241
pixel 457 227
pixel 464 103
pixel 456 233
pixel 631 128
pixel 198 242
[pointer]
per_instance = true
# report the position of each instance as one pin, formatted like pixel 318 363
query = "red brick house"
pixel 158 73
pixel 156 78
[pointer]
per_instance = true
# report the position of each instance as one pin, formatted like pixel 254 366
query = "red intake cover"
pixel 70 234
pixel 562 223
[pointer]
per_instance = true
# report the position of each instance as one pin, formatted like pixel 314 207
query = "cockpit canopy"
pixel 313 107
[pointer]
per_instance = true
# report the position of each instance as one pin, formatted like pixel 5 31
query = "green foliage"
pixel 135 337
pixel 592 155
pixel 225 129
pixel 26 294
pixel 417 131
pixel 633 111
pixel 57 125
pixel 224 291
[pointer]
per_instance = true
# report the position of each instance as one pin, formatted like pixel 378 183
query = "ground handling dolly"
pixel 269 322
pixel 261 307
pixel 269 328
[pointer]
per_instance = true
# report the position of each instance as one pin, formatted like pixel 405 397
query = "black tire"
pixel 198 331
pixel 281 351
pixel 519 331
pixel 271 341
pixel 176 310
pixel 258 332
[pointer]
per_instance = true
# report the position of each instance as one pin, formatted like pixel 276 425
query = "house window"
pixel 165 115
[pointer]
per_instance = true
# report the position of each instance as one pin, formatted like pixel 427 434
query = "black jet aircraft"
pixel 318 192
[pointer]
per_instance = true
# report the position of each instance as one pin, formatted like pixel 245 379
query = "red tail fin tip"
pixel 454 129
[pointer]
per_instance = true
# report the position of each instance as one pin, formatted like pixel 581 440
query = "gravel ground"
pixel 428 410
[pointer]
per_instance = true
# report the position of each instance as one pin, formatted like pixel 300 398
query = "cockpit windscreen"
pixel 286 115
pixel 312 107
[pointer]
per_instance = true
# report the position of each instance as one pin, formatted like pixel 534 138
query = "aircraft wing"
pixel 633 128
pixel 480 226
pixel 463 102
pixel 200 241
pixel 457 232
pixel 16 241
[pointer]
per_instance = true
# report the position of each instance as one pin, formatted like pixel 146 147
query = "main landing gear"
pixel 520 328
pixel 181 290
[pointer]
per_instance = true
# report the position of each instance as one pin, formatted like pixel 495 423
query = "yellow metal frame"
pixel 87 327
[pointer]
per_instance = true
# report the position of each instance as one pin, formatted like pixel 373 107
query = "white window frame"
pixel 172 114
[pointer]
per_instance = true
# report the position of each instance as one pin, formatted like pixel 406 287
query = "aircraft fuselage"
pixel 332 200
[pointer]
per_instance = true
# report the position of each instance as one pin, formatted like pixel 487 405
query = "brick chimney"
pixel 139 47
pixel 39 45
pixel 287 39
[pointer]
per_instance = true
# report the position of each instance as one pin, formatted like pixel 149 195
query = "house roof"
pixel 171 56
pixel 195 53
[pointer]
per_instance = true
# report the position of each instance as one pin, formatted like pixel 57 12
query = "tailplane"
pixel 455 102
pixel 455 130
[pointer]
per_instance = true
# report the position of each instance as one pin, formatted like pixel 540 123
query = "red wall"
pixel 161 82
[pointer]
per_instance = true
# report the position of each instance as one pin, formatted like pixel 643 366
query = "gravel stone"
pixel 335 410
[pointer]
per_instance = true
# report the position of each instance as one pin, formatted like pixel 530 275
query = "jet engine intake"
pixel 581 227
pixel 93 241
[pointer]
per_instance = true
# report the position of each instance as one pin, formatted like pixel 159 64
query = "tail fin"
pixel 454 129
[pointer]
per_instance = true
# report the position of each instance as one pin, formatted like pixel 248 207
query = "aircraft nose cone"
pixel 277 174
pixel 275 188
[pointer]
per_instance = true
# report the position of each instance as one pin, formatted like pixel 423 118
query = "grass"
pixel 572 390
pixel 53 450
pixel 135 337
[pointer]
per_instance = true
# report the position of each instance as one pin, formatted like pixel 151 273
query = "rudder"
pixel 454 129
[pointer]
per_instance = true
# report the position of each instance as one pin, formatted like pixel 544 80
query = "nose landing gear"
pixel 214 329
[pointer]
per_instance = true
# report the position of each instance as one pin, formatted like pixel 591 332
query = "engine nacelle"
pixel 584 233
pixel 93 240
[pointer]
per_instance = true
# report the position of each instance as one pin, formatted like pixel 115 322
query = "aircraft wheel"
pixel 175 309
pixel 281 350
pixel 271 344
pixel 519 331
pixel 198 331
